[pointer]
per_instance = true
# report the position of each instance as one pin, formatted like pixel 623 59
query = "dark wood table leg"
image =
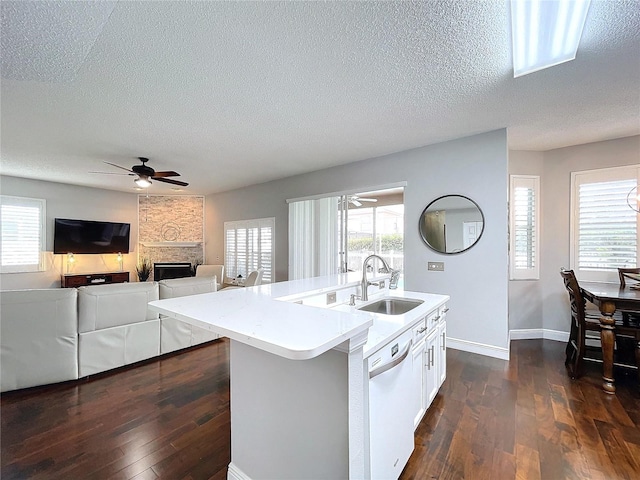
pixel 607 338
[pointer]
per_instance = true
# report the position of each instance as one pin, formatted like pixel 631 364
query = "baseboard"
pixel 538 333
pixel 479 348
pixel 234 473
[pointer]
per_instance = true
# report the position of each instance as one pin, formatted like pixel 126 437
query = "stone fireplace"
pixel 171 231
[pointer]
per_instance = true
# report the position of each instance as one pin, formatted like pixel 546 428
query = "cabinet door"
pixel 419 400
pixel 432 377
pixel 441 361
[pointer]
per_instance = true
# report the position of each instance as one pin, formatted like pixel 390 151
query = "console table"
pixel 82 279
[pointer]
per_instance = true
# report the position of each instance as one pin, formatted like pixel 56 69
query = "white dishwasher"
pixel 391 398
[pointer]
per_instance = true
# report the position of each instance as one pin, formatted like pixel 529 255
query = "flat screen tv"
pixel 86 236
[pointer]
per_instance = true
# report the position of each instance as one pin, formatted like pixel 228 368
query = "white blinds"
pixel 313 238
pixel 22 238
pixel 524 261
pixel 607 236
pixel 249 246
pixel 605 229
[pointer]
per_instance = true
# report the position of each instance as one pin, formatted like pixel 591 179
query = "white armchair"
pixel 176 334
pixel 38 337
pixel 211 271
pixel 116 326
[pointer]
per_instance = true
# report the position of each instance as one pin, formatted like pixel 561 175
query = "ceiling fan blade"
pixel 368 199
pixel 169 180
pixel 115 173
pixel 118 166
pixel 166 174
pixel 356 203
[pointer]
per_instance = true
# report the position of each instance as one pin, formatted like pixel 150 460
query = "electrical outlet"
pixel 331 298
pixel 382 285
pixel 435 266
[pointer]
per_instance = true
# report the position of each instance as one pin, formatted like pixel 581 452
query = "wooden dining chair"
pixel 622 271
pixel 580 325
pixel 628 316
pixel 587 327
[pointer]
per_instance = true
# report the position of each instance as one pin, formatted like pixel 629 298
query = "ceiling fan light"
pixel 142 182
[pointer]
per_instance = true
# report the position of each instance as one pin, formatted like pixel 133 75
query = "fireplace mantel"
pixel 171 244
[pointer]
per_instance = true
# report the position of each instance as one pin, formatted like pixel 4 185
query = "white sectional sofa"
pixel 176 334
pixel 38 337
pixel 115 326
pixel 59 334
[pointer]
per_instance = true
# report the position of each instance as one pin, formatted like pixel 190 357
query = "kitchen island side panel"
pixel 289 418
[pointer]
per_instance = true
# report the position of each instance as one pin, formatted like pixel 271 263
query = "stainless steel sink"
pixel 391 306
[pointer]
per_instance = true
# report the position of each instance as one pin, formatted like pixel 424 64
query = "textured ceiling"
pixel 236 93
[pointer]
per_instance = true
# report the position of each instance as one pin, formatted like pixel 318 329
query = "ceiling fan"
pixel 145 174
pixel 357 201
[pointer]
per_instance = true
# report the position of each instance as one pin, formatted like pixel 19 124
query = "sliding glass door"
pixel 334 234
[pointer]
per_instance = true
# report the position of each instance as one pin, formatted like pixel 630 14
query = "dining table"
pixel 609 297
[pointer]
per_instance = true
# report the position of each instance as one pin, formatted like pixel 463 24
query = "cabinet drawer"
pixel 77 281
pixel 419 331
pixel 432 320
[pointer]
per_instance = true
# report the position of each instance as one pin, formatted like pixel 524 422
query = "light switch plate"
pixel 382 285
pixel 331 298
pixel 435 266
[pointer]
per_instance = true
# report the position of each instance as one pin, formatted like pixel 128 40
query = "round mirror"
pixel 451 224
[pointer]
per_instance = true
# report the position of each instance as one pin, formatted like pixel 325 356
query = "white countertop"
pixel 386 327
pixel 259 317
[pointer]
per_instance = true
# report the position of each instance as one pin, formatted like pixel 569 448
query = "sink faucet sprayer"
pixel 393 283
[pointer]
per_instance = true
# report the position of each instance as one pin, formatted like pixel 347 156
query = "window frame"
pixel 532 182
pixel 595 176
pixel 41 204
pixel 259 223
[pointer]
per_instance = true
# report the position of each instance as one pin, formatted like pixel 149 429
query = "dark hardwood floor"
pixel 169 418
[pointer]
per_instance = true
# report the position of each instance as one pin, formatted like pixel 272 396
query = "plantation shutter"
pixel 249 246
pixel 605 227
pixel 524 203
pixel 22 238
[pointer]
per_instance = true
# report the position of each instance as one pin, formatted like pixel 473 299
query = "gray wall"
pixel 556 191
pixel 476 280
pixel 544 303
pixel 69 201
pixel 525 296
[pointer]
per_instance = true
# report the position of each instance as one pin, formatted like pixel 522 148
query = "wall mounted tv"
pixel 86 236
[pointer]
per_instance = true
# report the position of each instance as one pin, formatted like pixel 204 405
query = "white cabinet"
pixel 419 408
pixel 432 380
pixel 441 362
pixel 429 359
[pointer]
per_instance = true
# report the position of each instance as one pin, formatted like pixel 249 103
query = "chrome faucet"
pixel 395 274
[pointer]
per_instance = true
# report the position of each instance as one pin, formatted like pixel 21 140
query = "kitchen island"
pixel 299 376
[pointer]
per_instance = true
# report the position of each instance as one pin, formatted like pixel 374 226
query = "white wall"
pixel 543 304
pixel 69 201
pixel 476 280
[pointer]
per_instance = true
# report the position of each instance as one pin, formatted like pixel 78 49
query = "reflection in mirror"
pixel 451 224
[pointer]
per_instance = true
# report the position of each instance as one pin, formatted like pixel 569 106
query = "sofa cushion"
pixel 38 337
pixel 105 306
pixel 180 287
pixel 109 348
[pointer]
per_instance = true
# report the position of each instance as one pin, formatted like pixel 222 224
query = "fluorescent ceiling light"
pixel 545 32
pixel 142 181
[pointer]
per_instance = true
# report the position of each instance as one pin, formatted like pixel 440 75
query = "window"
pixel 248 246
pixel 22 240
pixel 604 233
pixel 524 209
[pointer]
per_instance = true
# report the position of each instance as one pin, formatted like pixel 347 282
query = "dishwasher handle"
pixel 393 363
